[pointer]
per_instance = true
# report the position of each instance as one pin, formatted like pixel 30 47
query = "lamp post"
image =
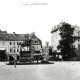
pixel 14 56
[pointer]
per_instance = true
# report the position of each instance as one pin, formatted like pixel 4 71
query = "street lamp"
pixel 14 56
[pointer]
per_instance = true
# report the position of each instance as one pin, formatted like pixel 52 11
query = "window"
pixel 14 51
pixel 33 47
pixel 37 47
pixel 10 43
pixel 78 39
pixel 74 46
pixel 73 39
pixel 13 43
pixel 17 43
pixel 35 41
pixel 3 43
pixel 79 33
pixel 17 50
pixel 31 41
pixel 10 50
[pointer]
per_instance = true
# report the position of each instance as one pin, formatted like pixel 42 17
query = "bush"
pixel 76 59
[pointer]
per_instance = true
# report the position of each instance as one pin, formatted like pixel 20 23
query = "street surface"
pixel 56 71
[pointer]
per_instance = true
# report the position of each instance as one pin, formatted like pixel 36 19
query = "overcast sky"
pixel 39 16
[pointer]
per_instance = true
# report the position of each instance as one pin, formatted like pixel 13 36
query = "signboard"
pixel 2 48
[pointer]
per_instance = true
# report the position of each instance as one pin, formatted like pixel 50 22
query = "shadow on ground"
pixel 31 63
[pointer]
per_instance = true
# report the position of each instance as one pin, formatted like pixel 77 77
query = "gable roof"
pixel 10 37
pixel 4 36
pixel 76 29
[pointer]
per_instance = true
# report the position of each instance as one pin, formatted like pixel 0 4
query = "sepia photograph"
pixel 39 40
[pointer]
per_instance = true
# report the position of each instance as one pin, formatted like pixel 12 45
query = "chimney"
pixel 5 31
pixel 33 33
pixel 47 44
pixel 14 33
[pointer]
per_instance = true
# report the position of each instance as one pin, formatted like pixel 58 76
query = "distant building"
pixel 9 43
pixel 55 37
pixel 46 51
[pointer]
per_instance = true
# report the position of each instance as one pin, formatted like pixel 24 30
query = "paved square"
pixel 56 71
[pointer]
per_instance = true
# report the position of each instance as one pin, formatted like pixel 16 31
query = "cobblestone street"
pixel 56 71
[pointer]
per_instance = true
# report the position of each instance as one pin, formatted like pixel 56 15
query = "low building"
pixel 46 51
pixel 9 43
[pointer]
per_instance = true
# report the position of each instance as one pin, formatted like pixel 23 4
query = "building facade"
pixel 55 37
pixel 46 51
pixel 9 43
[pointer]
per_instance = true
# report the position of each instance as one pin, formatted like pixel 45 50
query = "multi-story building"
pixel 55 37
pixel 9 43
pixel 46 51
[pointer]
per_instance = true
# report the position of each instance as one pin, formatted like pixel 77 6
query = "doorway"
pixel 2 55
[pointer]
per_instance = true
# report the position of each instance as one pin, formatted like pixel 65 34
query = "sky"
pixel 39 16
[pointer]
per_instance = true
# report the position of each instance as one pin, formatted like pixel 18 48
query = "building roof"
pixel 76 29
pixel 10 37
pixel 56 27
pixel 4 36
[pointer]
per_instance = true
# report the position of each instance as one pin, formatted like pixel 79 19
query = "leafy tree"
pixel 65 44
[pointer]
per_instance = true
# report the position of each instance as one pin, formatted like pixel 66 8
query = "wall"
pixel 55 37
pixel 10 47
